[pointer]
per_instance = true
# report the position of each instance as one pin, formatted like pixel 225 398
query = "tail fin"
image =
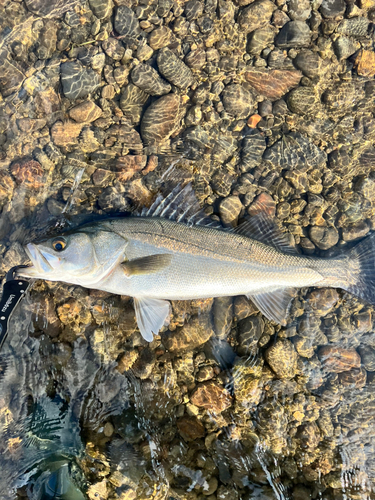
pixel 362 256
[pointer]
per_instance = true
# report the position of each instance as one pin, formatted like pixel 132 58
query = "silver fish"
pixel 172 251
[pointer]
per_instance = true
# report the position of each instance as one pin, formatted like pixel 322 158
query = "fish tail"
pixel 361 270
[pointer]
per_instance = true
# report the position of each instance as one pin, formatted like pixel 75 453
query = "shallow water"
pixel 248 100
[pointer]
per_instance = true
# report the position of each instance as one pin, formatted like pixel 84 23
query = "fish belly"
pixel 192 277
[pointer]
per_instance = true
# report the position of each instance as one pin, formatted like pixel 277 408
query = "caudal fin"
pixel 362 259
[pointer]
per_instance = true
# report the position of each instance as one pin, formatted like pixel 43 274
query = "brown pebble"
pixel 365 63
pixel 86 112
pixel 263 203
pixel 354 378
pixel 161 119
pixel 253 121
pixel 28 173
pixel 190 428
pixel 211 396
pixel 275 83
pixel 65 134
pixel 336 359
pixel 282 358
pixel 128 165
pixel 229 209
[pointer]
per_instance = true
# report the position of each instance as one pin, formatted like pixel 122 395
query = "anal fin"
pixel 274 304
pixel 151 315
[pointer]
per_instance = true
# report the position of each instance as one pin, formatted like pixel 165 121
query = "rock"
pixel 85 112
pixel 161 119
pixel 148 79
pixel 303 101
pixel 336 359
pixel 355 231
pixel 127 360
pixel 77 81
pixel 365 63
pixel 250 331
pixel 237 100
pixel 6 188
pixel 273 84
pixel 190 336
pixel 341 97
pixel 293 34
pixel 282 358
pixel 354 378
pixel 113 48
pixel 196 59
pixel 295 152
pixel 223 315
pixel 345 47
pixel 299 10
pixel 101 8
pixel 128 165
pixel 212 397
pixel 193 9
pixel 256 15
pixel 253 147
pixel 190 428
pixel 308 62
pixel 230 209
pixel 159 38
pixel 323 300
pixel 53 8
pixel 243 308
pixel 98 491
pixel 126 23
pixel 66 134
pixel 11 76
pixel 205 373
pixel 144 365
pixel 368 358
pixel 28 173
pixel 259 39
pixel 304 346
pixel 174 70
pixel 332 8
pixel 356 27
pixel 132 101
pixel 324 237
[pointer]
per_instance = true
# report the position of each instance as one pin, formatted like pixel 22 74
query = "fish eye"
pixel 59 244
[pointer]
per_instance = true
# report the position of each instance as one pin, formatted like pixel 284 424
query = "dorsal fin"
pixel 181 205
pixel 262 228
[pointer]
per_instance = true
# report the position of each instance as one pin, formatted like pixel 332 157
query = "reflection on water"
pixel 266 99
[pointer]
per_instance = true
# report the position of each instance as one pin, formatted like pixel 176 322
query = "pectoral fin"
pixel 151 315
pixel 146 265
pixel 274 305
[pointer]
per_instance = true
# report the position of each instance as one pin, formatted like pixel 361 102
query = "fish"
pixel 174 251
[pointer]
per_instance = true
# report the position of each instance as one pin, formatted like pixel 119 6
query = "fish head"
pixel 82 257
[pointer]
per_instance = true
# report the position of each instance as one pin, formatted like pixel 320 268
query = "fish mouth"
pixel 41 260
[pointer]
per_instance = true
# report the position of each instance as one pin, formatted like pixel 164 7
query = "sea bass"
pixel 173 251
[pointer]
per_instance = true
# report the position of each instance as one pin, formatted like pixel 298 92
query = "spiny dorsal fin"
pixel 146 265
pixel 274 304
pixel 181 205
pixel 262 228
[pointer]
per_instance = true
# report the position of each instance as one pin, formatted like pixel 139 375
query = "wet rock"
pixel 190 336
pixel 101 8
pixel 368 358
pixel 159 38
pixel 355 231
pixel 113 48
pixel 66 134
pixel 85 112
pixel 303 100
pixel 365 63
pixel 250 331
pixel 230 209
pixel 237 100
pixel 356 27
pixel 111 200
pixel 323 300
pixel 332 8
pixel 54 8
pixel 345 47
pixel 148 79
pixel 78 81
pixel 11 76
pixel 282 358
pixel 132 101
pixel 256 15
pixel 28 173
pixel 127 360
pixel 144 365
pixel 196 59
pixel 304 346
pixel 324 237
pixel 336 359
pixel 363 321
pixel 308 62
pixel 295 151
pixel 223 315
pixel 193 9
pixel 161 119
pixel 299 10
pixel 6 188
pixel 190 428
pixel 293 34
pixel 174 70
pixel 341 97
pixel 129 165
pixel 205 373
pixel 273 84
pixel 259 39
pixel 212 397
pixel 246 380
pixel 126 23
pixel 243 308
pixel 354 378
pixel 46 45
pixel 253 147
